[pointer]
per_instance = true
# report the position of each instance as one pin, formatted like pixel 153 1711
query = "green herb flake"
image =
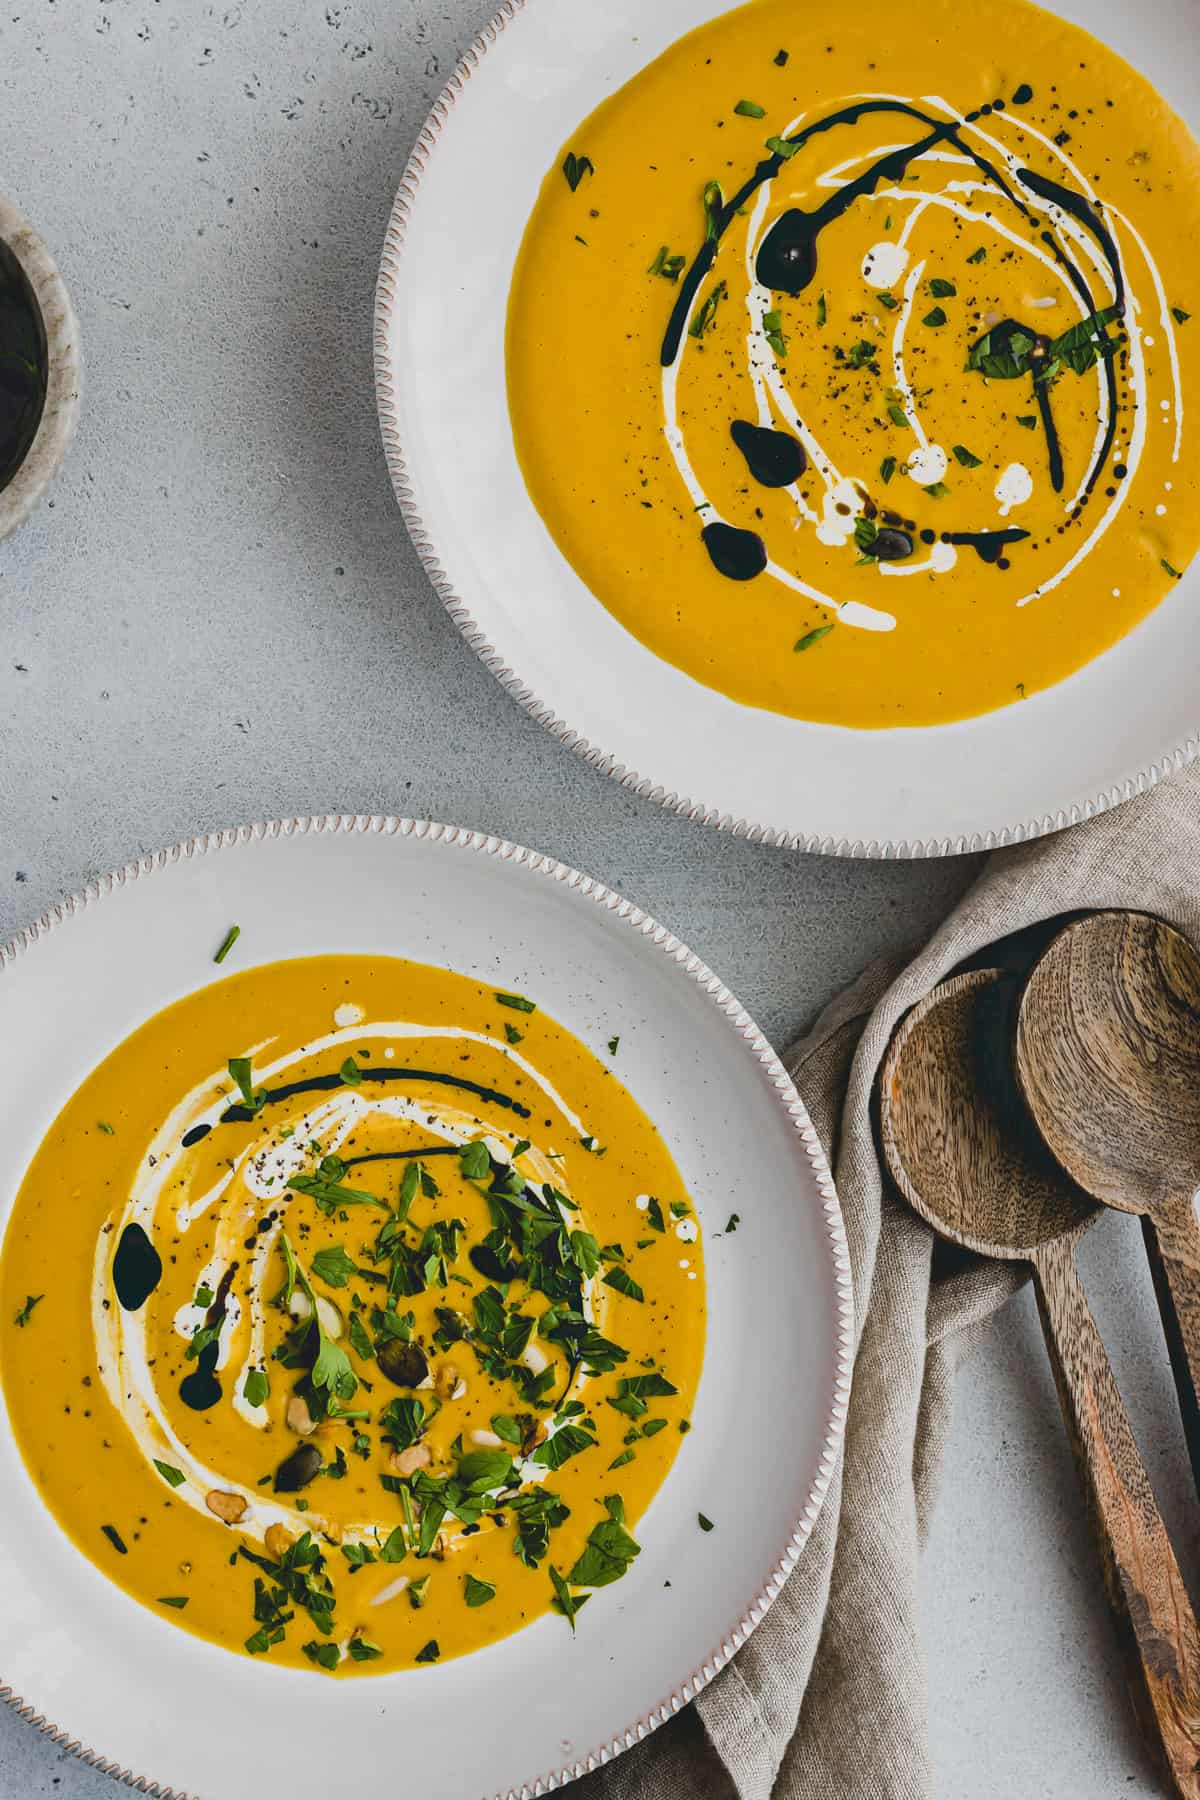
pixel 575 168
pixel 169 1473
pixel 965 457
pixel 704 1524
pixel 782 148
pixel 517 1002
pixel 227 942
pixel 513 1035
pixel 669 266
pixel 812 637
pixel 255 1388
pixel 750 109
pixel 241 1072
pixel 104 1126
pixel 1173 573
pixel 942 290
pixel 115 1539
pixel 822 311
pixel 26 1313
pixel 897 415
pixel 706 317
pixel 363 1650
pixel 608 1554
pixel 619 1462
pixel 350 1075
pixel 734 1221
pixel 568 1604
pixel 614 1044
pixel 937 490
pixel 887 469
pixel 1180 317
pixel 774 333
pixel 780 59
pixel 326 1656
pixel 429 1652
pixel 935 318
pixel 178 1601
pixel 474 1161
pixel 624 1283
pixel 978 256
pixel 1028 420
pixel 476 1592
pixel 333 1266
pixel 888 300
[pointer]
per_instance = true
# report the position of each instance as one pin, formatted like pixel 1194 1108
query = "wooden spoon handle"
pixel 1155 1622
pixel 1173 1247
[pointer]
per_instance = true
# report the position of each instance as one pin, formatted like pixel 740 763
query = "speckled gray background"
pixel 218 617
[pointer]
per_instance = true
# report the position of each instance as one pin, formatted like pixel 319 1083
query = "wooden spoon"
pixel 964 1154
pixel 1108 1058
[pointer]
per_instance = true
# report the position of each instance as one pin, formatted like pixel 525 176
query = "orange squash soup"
pixel 851 360
pixel 352 1313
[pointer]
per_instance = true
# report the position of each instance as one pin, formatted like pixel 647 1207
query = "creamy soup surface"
pixel 352 1314
pixel 851 360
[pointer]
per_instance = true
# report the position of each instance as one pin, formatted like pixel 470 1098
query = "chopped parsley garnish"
pixel 331 1370
pixel 704 1524
pixel 513 1035
pixel 614 1044
pixel 897 414
pixel 668 266
pixel 26 1313
pixel 350 1075
pixel 115 1539
pixel 935 318
pixel 734 1221
pixel 1028 420
pixel 624 1284
pixel 781 147
pixel 978 256
pixel 1180 317
pixel 517 1002
pixel 429 1653
pixel 1173 573
pixel 178 1601
pixel 714 201
pixel 227 942
pixel 566 1442
pixel 326 1656
pixel 476 1592
pixel 576 167
pixel 887 469
pixel 862 354
pixel 706 317
pixel 822 311
pixel 363 1650
pixel 865 532
pixel 750 109
pixel 965 457
pixel 812 637
pixel 104 1126
pixel 941 289
pixel 780 58
pixel 937 490
pixel 608 1554
pixel 333 1266
pixel 169 1473
pixel 240 1071
pixel 568 1604
pixel 774 333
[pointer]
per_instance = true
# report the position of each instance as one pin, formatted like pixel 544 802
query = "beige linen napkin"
pixel 827 1700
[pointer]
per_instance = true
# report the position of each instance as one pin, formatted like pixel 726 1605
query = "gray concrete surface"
pixel 218 617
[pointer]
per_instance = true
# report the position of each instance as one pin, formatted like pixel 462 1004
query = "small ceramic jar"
pixel 25 258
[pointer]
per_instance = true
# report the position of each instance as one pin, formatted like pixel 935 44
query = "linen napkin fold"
pixel 827 1699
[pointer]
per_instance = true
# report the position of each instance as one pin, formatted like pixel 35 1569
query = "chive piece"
pixel 965 458
pixel 517 1002
pixel 576 167
pixel 228 941
pixel 782 148
pixel 750 109
pixel 170 1473
pixel 1173 573
pixel 417 1592
pixel 888 300
pixel 178 1601
pixel 887 469
pixel 115 1539
pixel 942 290
pixel 773 331
pixel 714 200
pixel 708 312
pixel 897 415
pixel 429 1653
pixel 104 1126
pixel 705 1524
pixel 812 637
pixel 822 311
pixel 935 318
pixel 26 1312
pixel 1180 317
pixel 668 266
pixel 978 256
pixel 513 1035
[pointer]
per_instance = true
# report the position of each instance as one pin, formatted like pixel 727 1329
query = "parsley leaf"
pixel 942 290
pixel 750 109
pixel 476 1592
pixel 26 1313
pixel 333 1266
pixel 624 1284
pixel 965 458
pixel 429 1653
pixel 575 168
pixel 609 1553
pixel 169 1473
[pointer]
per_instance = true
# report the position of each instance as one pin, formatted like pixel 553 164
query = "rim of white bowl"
pixel 390 423
pixel 64 370
pixel 739 1019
